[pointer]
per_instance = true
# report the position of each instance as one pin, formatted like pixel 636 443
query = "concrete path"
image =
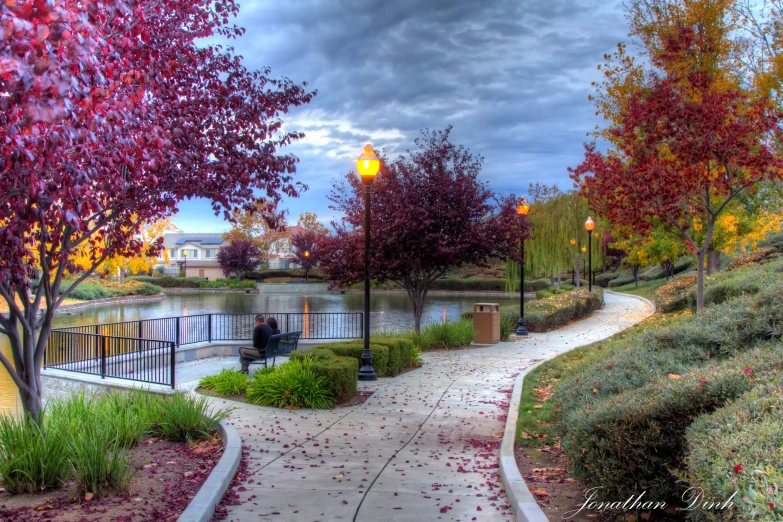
pixel 423 447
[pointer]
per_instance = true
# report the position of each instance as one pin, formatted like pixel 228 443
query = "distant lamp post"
pixel 590 226
pixel 523 207
pixel 307 270
pixel 368 165
pixel 584 266
pixel 185 267
pixel 573 270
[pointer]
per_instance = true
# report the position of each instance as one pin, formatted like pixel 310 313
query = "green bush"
pixel 551 313
pixel 99 462
pixel 400 352
pixel 227 283
pixel 537 284
pixel 603 280
pixel 623 279
pixel 472 284
pixel 508 325
pixel 673 296
pixel 182 418
pixel 340 373
pixel 631 442
pixel 171 282
pixel 227 382
pixel 291 385
pixel 553 291
pixel 293 273
pixel 723 286
pixel 31 460
pixel 451 334
pixel 746 433
pixel 353 349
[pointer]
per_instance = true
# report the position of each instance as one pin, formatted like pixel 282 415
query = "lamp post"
pixel 590 226
pixel 584 267
pixel 368 165
pixel 595 235
pixel 573 269
pixel 185 268
pixel 522 209
pixel 307 270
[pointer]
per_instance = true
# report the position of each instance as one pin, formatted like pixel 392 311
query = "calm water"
pixel 387 311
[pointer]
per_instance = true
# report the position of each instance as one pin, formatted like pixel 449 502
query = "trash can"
pixel 486 323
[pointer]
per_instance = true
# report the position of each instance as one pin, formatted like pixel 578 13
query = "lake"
pixel 387 311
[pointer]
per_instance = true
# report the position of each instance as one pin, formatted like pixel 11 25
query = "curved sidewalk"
pixel 424 446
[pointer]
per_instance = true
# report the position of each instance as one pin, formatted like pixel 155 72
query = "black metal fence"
pixel 144 350
pixel 133 359
pixel 190 329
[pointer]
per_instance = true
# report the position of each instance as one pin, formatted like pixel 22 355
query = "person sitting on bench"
pixel 261 334
pixel 272 322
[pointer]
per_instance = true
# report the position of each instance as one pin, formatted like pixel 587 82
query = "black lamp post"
pixel 584 264
pixel 576 260
pixel 368 165
pixel 185 264
pixel 589 226
pixel 522 209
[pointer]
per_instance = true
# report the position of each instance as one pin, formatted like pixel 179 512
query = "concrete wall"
pixel 212 273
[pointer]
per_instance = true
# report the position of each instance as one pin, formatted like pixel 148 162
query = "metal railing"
pixel 190 329
pixel 130 358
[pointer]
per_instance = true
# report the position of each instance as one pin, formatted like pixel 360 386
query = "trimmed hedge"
pixel 341 374
pixel 553 312
pixel 171 282
pixel 353 349
pixel 603 280
pixel 473 284
pixel 400 352
pixel 746 433
pixel 632 442
pixel 293 273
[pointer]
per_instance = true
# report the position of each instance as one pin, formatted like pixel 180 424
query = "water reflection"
pixel 387 311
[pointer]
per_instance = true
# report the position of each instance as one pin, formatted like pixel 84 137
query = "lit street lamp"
pixel 307 270
pixel 368 165
pixel 584 267
pixel 590 226
pixel 185 267
pixel 573 269
pixel 522 209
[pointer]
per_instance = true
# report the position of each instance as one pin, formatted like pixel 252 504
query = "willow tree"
pixel 557 218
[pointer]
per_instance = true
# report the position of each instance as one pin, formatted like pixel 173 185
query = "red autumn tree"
pixel 239 257
pixel 686 147
pixel 305 245
pixel 114 115
pixel 430 213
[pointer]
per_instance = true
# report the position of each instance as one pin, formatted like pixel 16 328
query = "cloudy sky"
pixel 511 76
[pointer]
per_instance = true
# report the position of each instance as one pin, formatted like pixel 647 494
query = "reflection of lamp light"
pixel 306 320
pixel 444 314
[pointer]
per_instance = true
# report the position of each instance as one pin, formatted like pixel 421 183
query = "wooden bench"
pixel 278 345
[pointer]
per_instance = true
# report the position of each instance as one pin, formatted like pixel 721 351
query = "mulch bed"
pixel 168 475
pixel 545 471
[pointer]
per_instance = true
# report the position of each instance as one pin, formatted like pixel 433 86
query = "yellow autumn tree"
pixel 253 226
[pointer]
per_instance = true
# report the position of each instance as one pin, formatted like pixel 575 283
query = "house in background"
pixel 196 253
pixel 281 252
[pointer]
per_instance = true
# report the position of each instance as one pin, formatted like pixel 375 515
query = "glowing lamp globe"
pixel 307 253
pixel 589 224
pixel 584 249
pixel 523 207
pixel 184 253
pixel 368 165
pixel 573 241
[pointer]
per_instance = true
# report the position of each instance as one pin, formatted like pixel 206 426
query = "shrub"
pixel 622 280
pixel 552 291
pixel 182 418
pixel 603 280
pixel 746 433
pixel 227 283
pixel 673 296
pixel 451 334
pixel 354 349
pixel 340 373
pixel 171 282
pixel 473 284
pixel 726 285
pixel 551 313
pixel 293 273
pixel 227 382
pixel 396 345
pixel 508 325
pixel 537 284
pixel 130 413
pixel 99 462
pixel 31 460
pixel 291 385
pixel 630 443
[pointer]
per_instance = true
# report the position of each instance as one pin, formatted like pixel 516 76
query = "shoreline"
pixel 122 299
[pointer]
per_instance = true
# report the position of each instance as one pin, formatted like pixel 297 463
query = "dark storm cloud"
pixel 512 76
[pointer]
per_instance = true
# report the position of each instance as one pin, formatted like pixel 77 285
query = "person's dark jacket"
pixel 261 335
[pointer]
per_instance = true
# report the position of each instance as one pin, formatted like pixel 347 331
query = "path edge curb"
pixel 643 299
pixel 523 503
pixel 202 507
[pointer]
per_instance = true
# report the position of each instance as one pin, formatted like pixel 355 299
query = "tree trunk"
pixel 122 275
pixel 635 271
pixel 559 275
pixel 700 254
pixel 577 275
pixel 713 261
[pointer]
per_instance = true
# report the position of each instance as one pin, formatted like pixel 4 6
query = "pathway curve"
pixel 423 447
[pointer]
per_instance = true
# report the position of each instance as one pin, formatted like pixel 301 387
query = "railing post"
pixel 176 333
pixel 140 336
pixel 209 327
pixel 104 343
pixel 173 363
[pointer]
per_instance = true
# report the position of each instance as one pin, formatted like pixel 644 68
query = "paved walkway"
pixel 423 447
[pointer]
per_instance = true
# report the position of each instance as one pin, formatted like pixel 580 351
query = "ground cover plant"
pixel 94 288
pixel 87 439
pixel 227 283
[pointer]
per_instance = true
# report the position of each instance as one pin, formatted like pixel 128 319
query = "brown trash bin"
pixel 486 323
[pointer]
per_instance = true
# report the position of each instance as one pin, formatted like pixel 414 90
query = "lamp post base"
pixel 521 330
pixel 366 371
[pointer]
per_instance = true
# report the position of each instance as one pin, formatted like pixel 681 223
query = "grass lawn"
pixel 645 289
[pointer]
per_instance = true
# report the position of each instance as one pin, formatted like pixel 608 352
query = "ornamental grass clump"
pixel 184 418
pixel 291 385
pixel 31 460
pixel 227 382
pixel 737 452
pixel 439 336
pixel 634 441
